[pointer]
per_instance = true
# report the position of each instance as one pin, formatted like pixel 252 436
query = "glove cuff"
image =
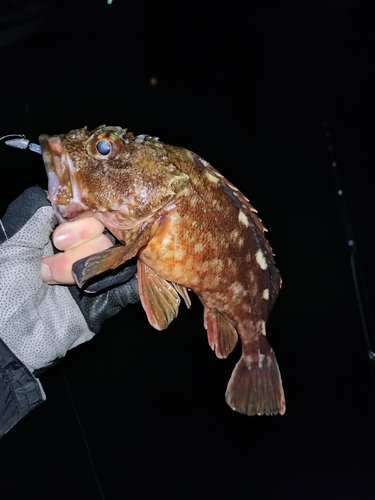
pixel 20 391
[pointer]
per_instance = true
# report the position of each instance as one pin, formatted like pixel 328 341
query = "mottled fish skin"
pixel 190 228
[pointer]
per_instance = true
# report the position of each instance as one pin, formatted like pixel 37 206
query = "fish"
pixel 189 229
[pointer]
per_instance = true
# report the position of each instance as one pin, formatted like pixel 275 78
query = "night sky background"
pixel 247 86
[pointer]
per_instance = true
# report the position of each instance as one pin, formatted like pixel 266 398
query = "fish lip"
pixel 63 192
pixel 47 155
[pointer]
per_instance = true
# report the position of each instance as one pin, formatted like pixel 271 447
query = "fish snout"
pixel 63 192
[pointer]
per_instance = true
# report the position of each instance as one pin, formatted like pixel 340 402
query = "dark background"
pixel 247 86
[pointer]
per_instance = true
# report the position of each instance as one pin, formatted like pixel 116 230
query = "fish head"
pixel 109 173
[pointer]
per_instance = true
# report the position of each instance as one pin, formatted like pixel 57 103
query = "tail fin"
pixel 255 387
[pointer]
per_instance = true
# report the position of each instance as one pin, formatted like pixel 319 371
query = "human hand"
pixel 76 240
pixel 39 322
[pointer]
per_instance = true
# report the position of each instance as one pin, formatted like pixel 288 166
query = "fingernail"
pixel 45 271
pixel 65 239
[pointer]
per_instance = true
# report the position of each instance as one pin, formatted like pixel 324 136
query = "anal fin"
pixel 159 298
pixel 222 336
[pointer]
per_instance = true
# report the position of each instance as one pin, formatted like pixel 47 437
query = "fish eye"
pixel 103 147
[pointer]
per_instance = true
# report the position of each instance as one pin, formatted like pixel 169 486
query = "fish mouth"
pixel 63 191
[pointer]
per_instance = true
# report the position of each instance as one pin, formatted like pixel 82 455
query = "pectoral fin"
pixel 222 336
pixel 159 298
pixel 112 257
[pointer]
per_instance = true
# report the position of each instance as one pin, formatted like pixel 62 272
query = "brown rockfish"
pixel 189 228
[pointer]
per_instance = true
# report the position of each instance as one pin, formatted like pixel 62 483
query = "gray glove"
pixel 39 323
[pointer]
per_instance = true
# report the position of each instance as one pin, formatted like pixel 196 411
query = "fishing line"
pixel 18 136
pixel 82 431
pixel 361 292
pixel 362 313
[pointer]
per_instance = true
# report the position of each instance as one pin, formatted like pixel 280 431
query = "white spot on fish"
pixel 216 264
pixel 262 327
pixel 237 288
pixel 234 235
pixel 166 241
pixel 241 242
pixel 193 200
pixel 243 218
pixel 198 247
pixel 195 280
pixel 212 177
pixel 248 257
pixel 262 357
pixel 260 258
pixel 266 294
pixel 179 253
pixel 216 204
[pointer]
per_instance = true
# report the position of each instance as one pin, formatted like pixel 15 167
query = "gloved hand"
pixel 39 322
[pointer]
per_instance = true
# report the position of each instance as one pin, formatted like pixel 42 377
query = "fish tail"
pixel 255 387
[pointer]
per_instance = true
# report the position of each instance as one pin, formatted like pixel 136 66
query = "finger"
pixel 58 268
pixel 72 234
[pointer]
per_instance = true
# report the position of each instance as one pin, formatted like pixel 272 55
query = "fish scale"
pixel 190 229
